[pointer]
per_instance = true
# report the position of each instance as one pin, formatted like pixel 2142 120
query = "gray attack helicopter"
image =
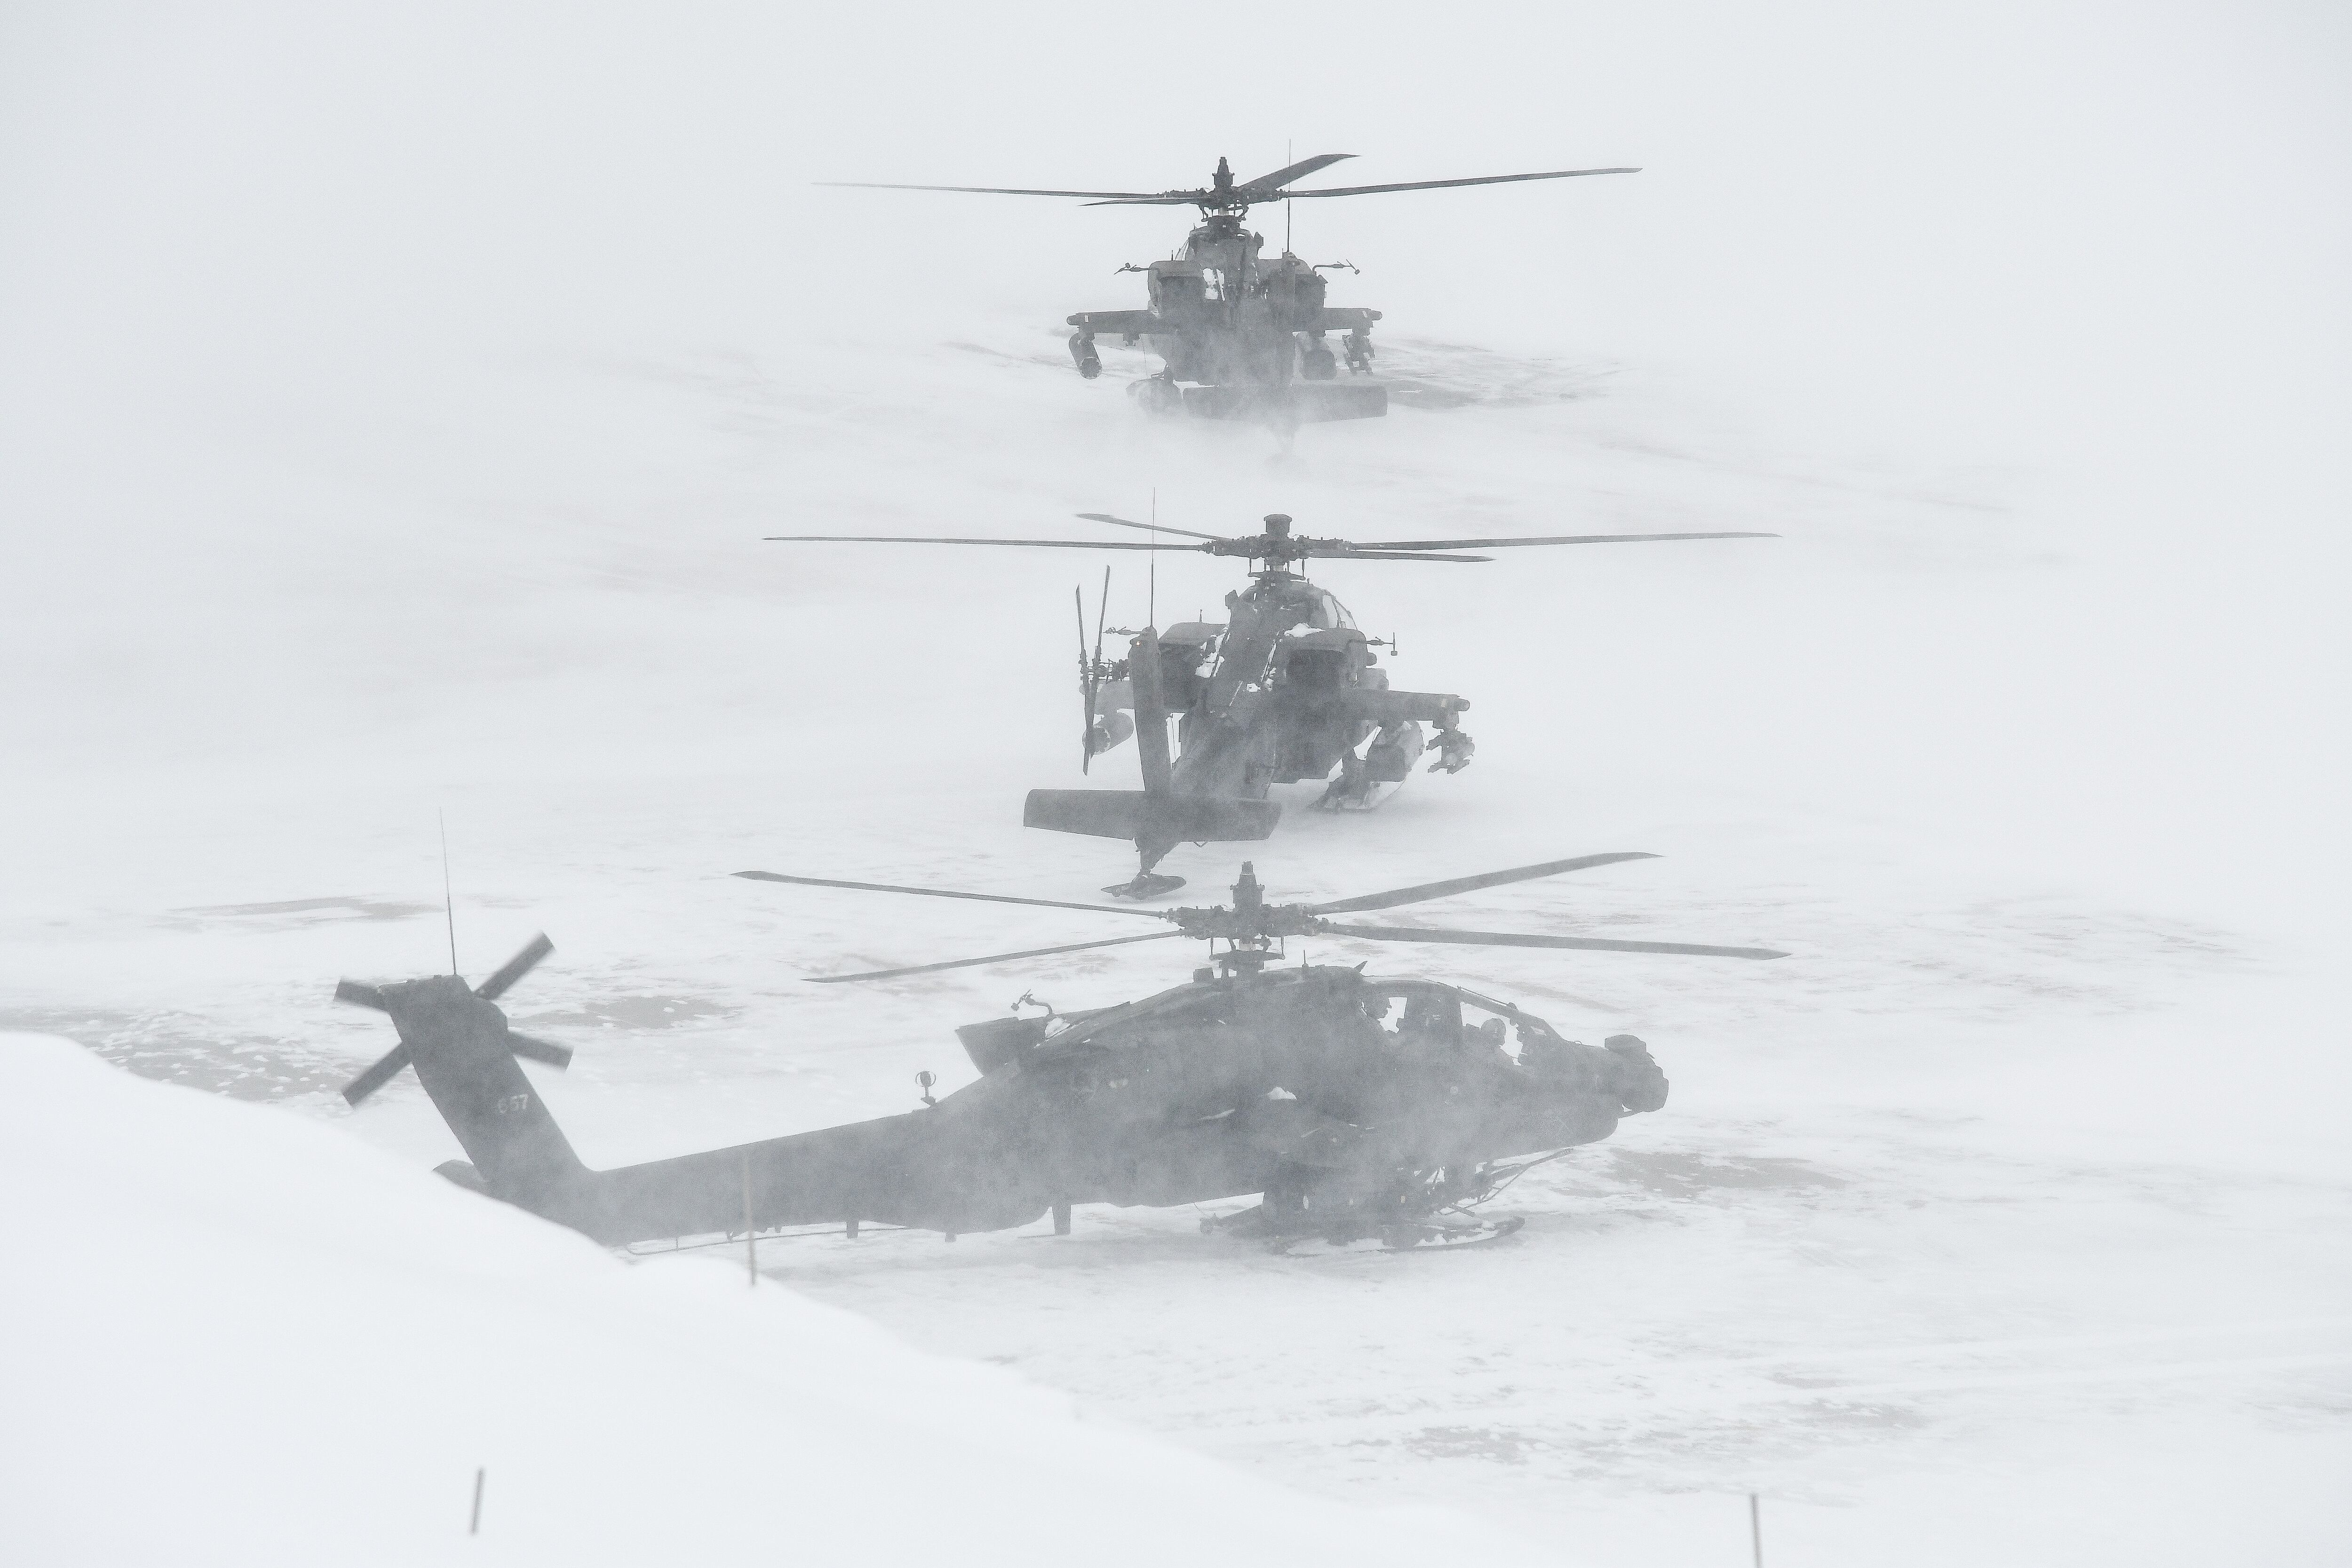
pixel 1286 690
pixel 1360 1108
pixel 1239 336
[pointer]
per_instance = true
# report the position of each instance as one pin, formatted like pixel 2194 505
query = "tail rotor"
pixel 359 995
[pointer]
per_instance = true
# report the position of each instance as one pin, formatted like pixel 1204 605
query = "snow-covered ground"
pixel 369 475
pixel 277 1346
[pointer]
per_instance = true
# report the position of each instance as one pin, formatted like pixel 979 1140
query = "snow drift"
pixel 239 1336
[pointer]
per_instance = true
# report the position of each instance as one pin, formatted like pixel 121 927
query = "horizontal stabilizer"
pixel 1132 814
pixel 546 1051
pixel 358 996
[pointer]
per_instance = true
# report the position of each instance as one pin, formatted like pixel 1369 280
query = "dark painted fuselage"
pixel 1221 315
pixel 1292 689
pixel 1312 1079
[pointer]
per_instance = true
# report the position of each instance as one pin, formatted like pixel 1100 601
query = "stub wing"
pixel 1386 707
pixel 1121 323
pixel 1139 323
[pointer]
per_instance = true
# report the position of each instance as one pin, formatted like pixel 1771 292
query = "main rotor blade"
pixel 1514 938
pixel 515 968
pixel 538 1050
pixel 1551 539
pixel 1154 527
pixel 1426 890
pixel 991 958
pixel 1027 543
pixel 376 1077
pixel 948 893
pixel 1169 199
pixel 1351 554
pixel 985 190
pixel 1298 171
pixel 1440 184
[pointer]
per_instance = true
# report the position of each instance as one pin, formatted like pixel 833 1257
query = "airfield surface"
pixel 2003 1220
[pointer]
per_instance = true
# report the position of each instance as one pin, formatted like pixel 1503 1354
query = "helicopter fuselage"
pixel 1287 689
pixel 1235 332
pixel 1314 1078
pixel 1335 1093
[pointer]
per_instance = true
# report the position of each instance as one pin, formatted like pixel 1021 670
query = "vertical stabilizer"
pixel 1150 712
pixel 462 1050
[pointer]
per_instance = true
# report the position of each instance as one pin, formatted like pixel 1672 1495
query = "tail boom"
pixel 912 1170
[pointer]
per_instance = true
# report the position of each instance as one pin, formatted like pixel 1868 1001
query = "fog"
pixel 392 402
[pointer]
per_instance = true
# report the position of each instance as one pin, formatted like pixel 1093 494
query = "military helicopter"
pixel 1286 690
pixel 1358 1107
pixel 1239 336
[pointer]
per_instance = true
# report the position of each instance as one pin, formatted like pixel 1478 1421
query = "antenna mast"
pixel 448 904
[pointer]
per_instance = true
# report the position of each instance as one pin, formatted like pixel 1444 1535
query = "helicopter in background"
pixel 1286 690
pixel 1240 336
pixel 1357 1106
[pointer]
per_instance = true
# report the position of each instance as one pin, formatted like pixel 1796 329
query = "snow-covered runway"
pixel 2003 1220
pixel 1948 1193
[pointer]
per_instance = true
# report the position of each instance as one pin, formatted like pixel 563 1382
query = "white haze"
pixel 391 404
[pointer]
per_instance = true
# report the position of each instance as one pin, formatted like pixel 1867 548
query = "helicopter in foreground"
pixel 1239 336
pixel 1357 1107
pixel 1286 690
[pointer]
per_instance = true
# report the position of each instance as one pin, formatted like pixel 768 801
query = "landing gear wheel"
pixel 1157 395
pixel 1355 789
pixel 1350 790
pixel 1146 885
pixel 1362 795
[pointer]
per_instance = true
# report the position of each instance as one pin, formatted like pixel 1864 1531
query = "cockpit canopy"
pixel 1411 1014
pixel 1411 1010
pixel 1330 614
